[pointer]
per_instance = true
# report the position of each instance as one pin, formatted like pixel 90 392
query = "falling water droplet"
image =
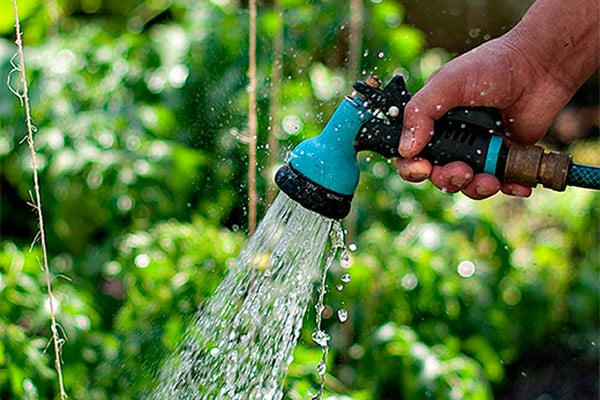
pixel 321 368
pixel 346 278
pixel 339 287
pixel 345 259
pixel 342 315
pixel 320 337
pixel 393 111
pixel 352 247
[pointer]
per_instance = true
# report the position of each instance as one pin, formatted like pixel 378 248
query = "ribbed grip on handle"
pixel 462 134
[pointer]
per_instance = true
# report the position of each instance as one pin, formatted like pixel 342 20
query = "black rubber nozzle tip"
pixel 311 195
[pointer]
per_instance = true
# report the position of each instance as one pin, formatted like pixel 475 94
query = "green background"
pixel 138 108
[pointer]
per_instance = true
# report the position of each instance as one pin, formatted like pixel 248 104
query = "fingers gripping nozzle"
pixel 322 172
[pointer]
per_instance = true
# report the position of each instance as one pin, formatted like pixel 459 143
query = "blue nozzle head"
pixel 322 172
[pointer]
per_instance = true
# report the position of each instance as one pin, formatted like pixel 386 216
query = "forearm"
pixel 562 38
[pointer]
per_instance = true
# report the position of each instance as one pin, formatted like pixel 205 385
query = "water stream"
pixel 241 343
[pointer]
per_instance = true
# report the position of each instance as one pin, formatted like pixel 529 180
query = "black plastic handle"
pixel 462 134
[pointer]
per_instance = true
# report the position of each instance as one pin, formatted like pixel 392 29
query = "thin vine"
pixel 252 122
pixel 36 203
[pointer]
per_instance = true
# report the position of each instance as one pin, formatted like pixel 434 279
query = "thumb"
pixel 436 98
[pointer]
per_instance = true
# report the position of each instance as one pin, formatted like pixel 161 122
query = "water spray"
pixel 322 172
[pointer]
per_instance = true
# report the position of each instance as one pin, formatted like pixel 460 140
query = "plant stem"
pixel 252 121
pixel 37 205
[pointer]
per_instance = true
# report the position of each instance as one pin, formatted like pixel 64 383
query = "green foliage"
pixel 25 366
pixel 160 276
pixel 465 289
pixel 139 108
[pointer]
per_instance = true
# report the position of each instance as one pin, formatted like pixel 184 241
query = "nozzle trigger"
pixel 395 94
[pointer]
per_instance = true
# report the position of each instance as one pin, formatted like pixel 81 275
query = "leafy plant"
pixel 140 109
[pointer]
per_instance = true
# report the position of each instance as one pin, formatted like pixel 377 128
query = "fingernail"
pixel 406 140
pixel 519 191
pixel 458 181
pixel 417 176
pixel 482 191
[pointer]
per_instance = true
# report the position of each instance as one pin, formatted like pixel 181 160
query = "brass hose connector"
pixel 530 165
pixel 374 81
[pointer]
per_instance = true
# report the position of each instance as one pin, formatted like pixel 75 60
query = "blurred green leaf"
pixel 141 112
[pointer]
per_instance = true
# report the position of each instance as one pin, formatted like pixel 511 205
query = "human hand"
pixel 497 74
pixel 529 74
pixel 500 74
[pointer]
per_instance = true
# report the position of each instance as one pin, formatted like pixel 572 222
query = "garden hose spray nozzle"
pixel 322 172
